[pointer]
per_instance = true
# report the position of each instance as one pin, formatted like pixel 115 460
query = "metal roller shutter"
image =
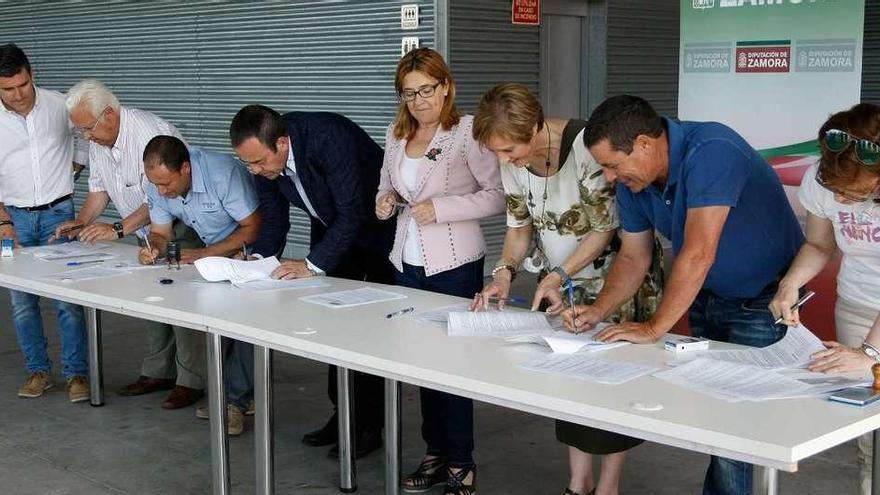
pixel 197 63
pixel 871 53
pixel 485 49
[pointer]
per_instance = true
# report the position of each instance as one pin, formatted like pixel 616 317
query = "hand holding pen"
pixel 800 302
pixel 147 255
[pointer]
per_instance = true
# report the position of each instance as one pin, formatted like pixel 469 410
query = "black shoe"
pixel 327 435
pixel 364 443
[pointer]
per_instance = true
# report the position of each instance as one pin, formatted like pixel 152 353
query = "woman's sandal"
pixel 568 491
pixel 455 482
pixel 430 473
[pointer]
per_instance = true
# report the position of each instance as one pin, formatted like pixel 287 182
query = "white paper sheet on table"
pixel 74 248
pixel 216 268
pixel 440 316
pixel 586 367
pixel 273 284
pixel 354 297
pixel 735 382
pixel 88 273
pixel 129 264
pixel 793 351
pixel 563 342
pixel 497 324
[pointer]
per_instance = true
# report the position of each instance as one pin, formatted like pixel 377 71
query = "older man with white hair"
pixel 118 135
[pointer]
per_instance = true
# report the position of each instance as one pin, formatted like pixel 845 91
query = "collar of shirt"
pixel 291 163
pixel 675 139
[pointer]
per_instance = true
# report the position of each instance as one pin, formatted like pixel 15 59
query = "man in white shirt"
pixel 36 189
pixel 176 356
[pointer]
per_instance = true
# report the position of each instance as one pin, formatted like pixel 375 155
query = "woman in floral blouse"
pixel 554 188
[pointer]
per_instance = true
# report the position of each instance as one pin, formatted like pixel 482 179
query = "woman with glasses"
pixel 562 223
pixel 439 183
pixel 840 194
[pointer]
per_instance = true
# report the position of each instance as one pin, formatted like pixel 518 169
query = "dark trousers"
pixel 447 420
pixel 369 390
pixel 738 321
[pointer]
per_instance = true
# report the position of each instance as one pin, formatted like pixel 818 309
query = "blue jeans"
pixel 447 420
pixel 239 373
pixel 33 228
pixel 738 321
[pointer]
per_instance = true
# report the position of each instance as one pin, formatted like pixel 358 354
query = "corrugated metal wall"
pixel 485 49
pixel 871 53
pixel 642 51
pixel 197 63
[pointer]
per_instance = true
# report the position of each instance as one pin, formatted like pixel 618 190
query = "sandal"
pixel 430 473
pixel 455 482
pixel 568 491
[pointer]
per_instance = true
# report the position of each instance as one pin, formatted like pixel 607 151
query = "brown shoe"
pixel 146 385
pixel 35 385
pixel 182 396
pixel 78 388
pixel 202 411
pixel 234 420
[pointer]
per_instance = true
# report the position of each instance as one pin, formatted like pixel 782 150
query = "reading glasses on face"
pixel 426 91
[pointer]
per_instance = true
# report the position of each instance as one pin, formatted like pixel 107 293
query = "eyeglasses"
pixel 867 151
pixel 425 91
pixel 847 195
pixel 91 128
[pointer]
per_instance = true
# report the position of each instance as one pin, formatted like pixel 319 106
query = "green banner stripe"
pixel 763 43
pixel 805 148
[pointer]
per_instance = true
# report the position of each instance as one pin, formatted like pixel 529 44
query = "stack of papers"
pixel 734 382
pixel 440 316
pixel 351 298
pixel 793 351
pixel 251 275
pixel 495 323
pixel 70 251
pixel 583 367
pixel 569 343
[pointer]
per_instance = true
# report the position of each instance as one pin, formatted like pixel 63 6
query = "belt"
pixel 47 205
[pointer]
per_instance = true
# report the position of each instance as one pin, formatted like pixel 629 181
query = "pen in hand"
pixel 800 302
pixel 574 314
pixel 244 254
pixel 400 312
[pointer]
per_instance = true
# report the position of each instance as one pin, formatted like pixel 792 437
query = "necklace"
pixel 546 177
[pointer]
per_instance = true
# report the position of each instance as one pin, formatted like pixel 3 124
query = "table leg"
pixel 217 412
pixel 765 481
pixel 392 437
pixel 96 360
pixel 345 406
pixel 875 467
pixel 263 421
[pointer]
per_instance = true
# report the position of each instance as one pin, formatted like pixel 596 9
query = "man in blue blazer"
pixel 327 166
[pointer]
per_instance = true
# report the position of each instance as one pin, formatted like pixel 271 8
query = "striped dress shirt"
pixel 119 170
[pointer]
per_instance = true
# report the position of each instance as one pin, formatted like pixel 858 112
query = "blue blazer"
pixel 338 165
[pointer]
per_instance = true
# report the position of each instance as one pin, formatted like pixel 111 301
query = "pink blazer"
pixel 463 181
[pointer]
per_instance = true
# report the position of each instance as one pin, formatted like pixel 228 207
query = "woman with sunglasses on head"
pixel 840 194
pixel 439 183
pixel 556 194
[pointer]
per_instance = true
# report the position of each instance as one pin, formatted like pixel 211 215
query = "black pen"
pixel 399 313
pixel 800 302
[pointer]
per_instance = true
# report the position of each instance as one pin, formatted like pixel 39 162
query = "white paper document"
pixel 354 297
pixel 586 367
pixel 793 351
pixel 217 268
pixel 129 264
pixel 272 284
pixel 497 324
pixel 563 342
pixel 440 316
pixel 88 273
pixel 66 249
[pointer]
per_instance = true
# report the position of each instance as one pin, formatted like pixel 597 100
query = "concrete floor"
pixel 132 446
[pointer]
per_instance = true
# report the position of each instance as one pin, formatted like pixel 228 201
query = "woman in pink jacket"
pixel 440 183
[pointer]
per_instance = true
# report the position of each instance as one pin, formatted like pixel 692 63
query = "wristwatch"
pixel 564 279
pixel 119 229
pixel 871 351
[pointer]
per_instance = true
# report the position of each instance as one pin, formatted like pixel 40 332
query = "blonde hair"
pixel 508 111
pixel 430 63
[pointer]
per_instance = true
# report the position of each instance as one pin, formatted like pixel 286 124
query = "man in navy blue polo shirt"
pixel 732 229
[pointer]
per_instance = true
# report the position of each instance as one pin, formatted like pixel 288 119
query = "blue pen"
pixel 508 299
pixel 77 263
pixel 571 303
